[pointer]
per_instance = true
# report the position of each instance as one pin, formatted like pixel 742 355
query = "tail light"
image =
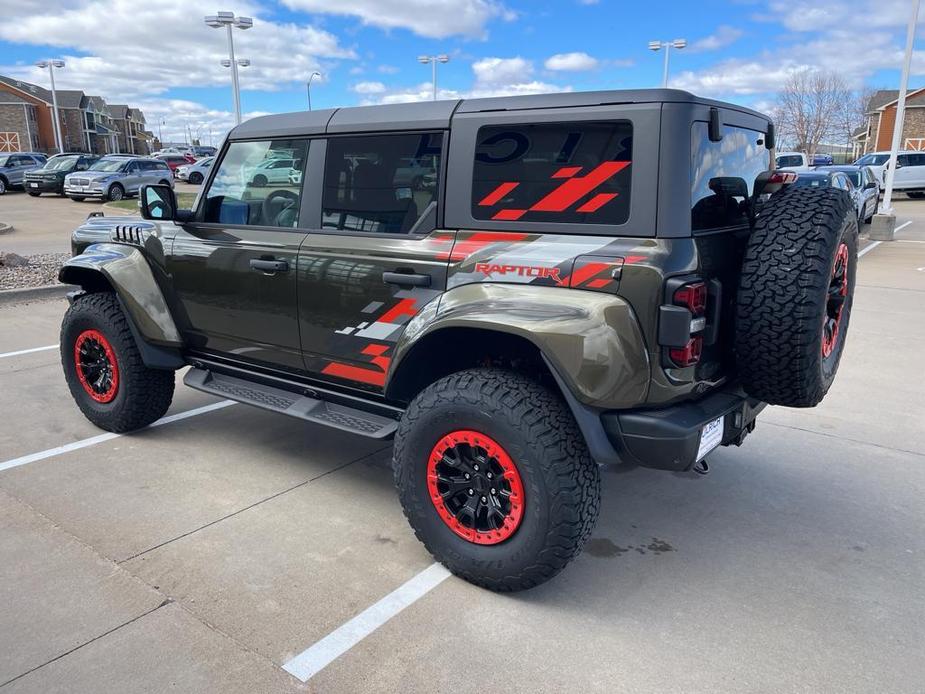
pixel 682 322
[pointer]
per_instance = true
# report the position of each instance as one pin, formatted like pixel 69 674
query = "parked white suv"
pixel 877 162
pixel 910 172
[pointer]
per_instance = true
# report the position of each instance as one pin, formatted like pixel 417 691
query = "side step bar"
pixel 295 405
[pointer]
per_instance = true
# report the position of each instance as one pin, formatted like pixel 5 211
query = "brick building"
pixel 881 117
pixel 88 124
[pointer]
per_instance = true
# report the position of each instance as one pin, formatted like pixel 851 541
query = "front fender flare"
pixel 592 339
pixel 128 272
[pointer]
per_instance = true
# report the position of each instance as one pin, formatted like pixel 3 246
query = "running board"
pixel 286 402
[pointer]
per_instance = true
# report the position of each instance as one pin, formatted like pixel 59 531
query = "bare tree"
pixel 811 107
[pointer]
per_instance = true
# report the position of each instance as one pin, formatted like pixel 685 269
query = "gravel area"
pixel 42 269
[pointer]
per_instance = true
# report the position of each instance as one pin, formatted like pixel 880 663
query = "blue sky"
pixel 162 57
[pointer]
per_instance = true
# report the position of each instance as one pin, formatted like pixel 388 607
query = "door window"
pixel 254 187
pixel 382 183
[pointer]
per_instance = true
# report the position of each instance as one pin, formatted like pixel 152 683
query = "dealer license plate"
pixel 710 437
pixel 34 185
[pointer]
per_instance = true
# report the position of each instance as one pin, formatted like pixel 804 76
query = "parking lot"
pixel 208 552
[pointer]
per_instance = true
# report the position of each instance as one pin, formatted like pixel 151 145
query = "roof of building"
pixel 11 98
pixel 118 111
pixel 28 88
pixel 881 97
pixel 69 98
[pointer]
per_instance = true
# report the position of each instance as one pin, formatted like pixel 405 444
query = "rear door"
pixel 233 271
pixel 378 256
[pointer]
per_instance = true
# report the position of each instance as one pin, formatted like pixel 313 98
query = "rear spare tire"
pixel 795 295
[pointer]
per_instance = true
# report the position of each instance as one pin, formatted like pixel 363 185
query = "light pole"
pixel 51 65
pixel 433 60
pixel 667 45
pixel 229 21
pixel 308 87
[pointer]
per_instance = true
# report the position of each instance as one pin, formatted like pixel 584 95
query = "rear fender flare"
pixel 591 340
pixel 126 270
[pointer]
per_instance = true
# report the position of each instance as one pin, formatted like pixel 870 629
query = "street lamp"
pixel 667 45
pixel 51 65
pixel 229 21
pixel 433 60
pixel 308 86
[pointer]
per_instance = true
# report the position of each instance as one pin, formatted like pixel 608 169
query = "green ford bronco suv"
pixel 518 290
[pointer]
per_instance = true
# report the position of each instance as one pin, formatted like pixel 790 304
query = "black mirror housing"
pixel 158 202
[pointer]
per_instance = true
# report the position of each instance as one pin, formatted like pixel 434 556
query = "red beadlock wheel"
pixel 96 366
pixel 475 487
pixel 838 291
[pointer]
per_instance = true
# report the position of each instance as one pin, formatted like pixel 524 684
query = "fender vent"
pixel 128 233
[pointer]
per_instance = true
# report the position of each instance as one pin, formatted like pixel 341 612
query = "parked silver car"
pixel 113 178
pixel 865 189
pixel 14 164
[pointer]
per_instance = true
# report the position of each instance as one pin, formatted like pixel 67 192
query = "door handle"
pixel 269 265
pixel 406 279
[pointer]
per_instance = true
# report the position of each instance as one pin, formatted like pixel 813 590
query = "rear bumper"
pixel 669 438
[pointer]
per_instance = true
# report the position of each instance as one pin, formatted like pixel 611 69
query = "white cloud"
pixel 207 125
pixel 722 37
pixel 369 88
pixel 387 69
pixel 432 18
pixel 502 70
pixel 128 50
pixel 571 62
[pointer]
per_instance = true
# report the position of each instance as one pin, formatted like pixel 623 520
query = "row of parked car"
pixel 80 175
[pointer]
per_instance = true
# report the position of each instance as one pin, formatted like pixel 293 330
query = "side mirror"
pixel 158 202
pixel 870 185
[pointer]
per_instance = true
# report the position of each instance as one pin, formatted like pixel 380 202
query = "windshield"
pixel 854 177
pixel 4 160
pixel 872 160
pixel 59 163
pixel 108 165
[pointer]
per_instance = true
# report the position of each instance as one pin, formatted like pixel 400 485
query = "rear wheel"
pixel 260 180
pixel 495 478
pixel 195 178
pixel 3 185
pixel 104 370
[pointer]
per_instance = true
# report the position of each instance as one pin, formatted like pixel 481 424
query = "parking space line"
pixel 314 659
pixel 93 440
pixel 27 351
pixel 868 249
pixel 902 226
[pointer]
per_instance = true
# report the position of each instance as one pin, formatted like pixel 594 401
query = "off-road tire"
pixel 561 482
pixel 143 394
pixel 783 293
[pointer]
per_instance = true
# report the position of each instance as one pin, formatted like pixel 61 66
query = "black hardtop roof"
pixel 436 115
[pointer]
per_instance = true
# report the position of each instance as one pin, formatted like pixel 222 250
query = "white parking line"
pixel 28 351
pixel 93 440
pixel 314 659
pixel 868 249
pixel 902 226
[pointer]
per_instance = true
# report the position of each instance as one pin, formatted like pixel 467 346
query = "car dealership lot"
pixel 205 553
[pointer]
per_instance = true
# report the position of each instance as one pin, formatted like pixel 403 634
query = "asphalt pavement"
pixel 208 553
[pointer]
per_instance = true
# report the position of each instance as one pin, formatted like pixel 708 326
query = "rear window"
pixel 723 175
pixel 571 173
pixel 792 160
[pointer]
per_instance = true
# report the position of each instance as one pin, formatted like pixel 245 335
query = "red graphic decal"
pixel 584 273
pixel 634 258
pixel 358 373
pixel 498 193
pixel 597 202
pixel 509 215
pixel 575 188
pixel 477 241
pixel 598 283
pixel 566 172
pixel 539 271
pixel 405 307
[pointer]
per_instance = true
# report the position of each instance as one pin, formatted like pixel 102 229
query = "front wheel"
pixel 2 185
pixel 116 193
pixel 195 178
pixel 104 370
pixel 495 478
pixel 34 194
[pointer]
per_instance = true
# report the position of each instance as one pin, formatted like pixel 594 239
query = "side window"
pixel 917 159
pixel 382 183
pixel 723 175
pixel 903 159
pixel 249 188
pixel 554 172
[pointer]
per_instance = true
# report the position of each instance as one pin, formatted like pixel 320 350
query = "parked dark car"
pixel 865 189
pixel 50 178
pixel 823 160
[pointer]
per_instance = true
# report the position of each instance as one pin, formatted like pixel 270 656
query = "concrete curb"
pixel 5 228
pixel 47 291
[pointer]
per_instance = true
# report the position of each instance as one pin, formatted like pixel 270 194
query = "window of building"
pixel 382 183
pixel 257 184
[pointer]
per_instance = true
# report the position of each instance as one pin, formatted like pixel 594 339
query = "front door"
pixel 234 270
pixel 377 259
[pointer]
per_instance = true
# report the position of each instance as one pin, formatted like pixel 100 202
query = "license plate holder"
pixel 711 436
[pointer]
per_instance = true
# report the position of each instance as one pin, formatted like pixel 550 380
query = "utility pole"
pixel 667 46
pixel 433 60
pixel 51 65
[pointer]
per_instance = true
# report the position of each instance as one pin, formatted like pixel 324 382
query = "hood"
pixel 53 172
